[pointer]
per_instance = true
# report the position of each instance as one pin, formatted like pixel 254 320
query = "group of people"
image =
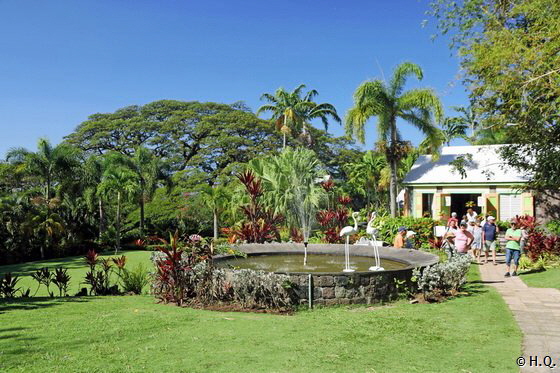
pixel 477 236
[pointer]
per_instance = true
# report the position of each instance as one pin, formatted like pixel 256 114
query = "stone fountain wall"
pixel 352 288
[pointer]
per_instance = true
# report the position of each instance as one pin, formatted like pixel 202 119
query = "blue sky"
pixel 64 60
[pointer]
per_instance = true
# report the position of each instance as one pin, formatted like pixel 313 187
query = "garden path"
pixel 536 310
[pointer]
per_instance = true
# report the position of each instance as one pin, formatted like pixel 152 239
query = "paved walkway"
pixel 536 310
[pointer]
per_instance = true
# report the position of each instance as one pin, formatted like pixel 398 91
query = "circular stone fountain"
pixel 325 264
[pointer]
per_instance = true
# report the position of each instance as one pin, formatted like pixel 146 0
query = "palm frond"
pixel 424 99
pixel 401 73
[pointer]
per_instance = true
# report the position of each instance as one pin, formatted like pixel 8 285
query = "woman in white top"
pixel 471 215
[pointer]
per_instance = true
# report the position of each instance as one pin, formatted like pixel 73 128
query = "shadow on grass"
pixel 29 304
pixel 534 270
pixel 17 334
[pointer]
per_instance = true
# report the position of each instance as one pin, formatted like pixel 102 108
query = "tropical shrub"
pixel 206 284
pixel 553 227
pixel 61 279
pixel 174 263
pixel 43 276
pixel 388 227
pixel 8 285
pixel 540 244
pixel 134 281
pixel 260 225
pixel 442 279
pixel 99 280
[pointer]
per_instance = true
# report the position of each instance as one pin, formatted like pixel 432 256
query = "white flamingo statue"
pixel 373 232
pixel 348 231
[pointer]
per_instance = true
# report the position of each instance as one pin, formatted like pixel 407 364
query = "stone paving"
pixel 536 310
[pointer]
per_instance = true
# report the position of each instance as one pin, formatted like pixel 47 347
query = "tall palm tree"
pixel 49 164
pixel 150 171
pixel 293 112
pixel 92 175
pixel 387 102
pixel 118 184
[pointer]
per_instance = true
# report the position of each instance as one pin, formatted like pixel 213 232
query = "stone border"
pixel 413 258
pixel 329 288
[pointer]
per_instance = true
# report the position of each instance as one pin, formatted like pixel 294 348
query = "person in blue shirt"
pixel 490 238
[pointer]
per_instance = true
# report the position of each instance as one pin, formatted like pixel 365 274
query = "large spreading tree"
pixel 511 64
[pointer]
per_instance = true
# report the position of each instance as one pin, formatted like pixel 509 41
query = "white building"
pixel 434 188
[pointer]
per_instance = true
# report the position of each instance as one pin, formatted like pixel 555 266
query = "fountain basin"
pixel 330 285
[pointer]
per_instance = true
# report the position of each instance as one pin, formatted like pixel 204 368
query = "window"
pixel 427 201
pixel 510 206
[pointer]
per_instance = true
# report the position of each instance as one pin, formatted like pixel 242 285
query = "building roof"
pixel 486 167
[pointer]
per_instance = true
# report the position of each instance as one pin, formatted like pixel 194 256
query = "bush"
pixel 443 279
pixel 134 281
pixel 205 284
pixel 553 227
pixel 388 227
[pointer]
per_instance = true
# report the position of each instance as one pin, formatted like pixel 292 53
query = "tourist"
pixel 478 242
pixel 471 215
pixel 489 238
pixel 463 240
pixel 409 241
pixel 398 242
pixel 453 218
pixel 513 249
pixel 464 220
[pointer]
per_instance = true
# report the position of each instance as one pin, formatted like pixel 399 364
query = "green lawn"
pixel 76 269
pixel 545 279
pixel 471 333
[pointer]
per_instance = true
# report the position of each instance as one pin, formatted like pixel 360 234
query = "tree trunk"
pixel 142 216
pixel 101 218
pixel 284 141
pixel 215 224
pixel 393 166
pixel 393 188
pixel 118 235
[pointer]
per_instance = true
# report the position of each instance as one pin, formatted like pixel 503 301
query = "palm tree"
pixel 150 170
pixel 453 129
pixel 290 183
pixel 388 102
pixel 216 198
pixel 118 182
pixel 293 112
pixel 92 175
pixel 365 176
pixel 467 118
pixel 48 164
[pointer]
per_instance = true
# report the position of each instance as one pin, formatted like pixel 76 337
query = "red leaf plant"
pixel 260 225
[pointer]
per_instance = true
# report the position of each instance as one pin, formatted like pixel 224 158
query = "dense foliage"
pixel 509 52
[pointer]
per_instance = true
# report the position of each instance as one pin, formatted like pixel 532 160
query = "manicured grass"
pixel 545 279
pixel 474 332
pixel 77 269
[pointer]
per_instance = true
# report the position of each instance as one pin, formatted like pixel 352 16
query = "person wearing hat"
pixel 513 249
pixel 489 238
pixel 409 240
pixel 398 242
pixel 453 221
